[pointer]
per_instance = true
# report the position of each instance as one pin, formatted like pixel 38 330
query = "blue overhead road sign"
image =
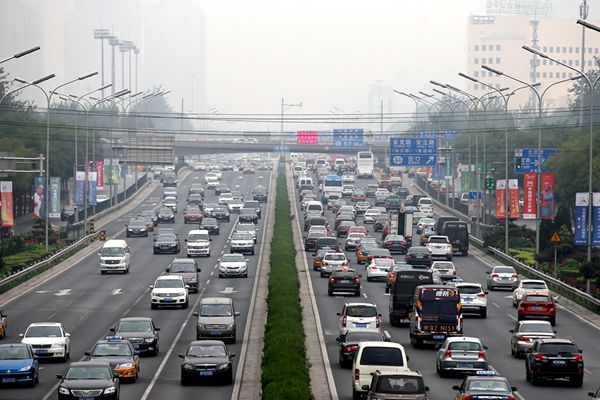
pixel 526 160
pixel 348 137
pixel 413 152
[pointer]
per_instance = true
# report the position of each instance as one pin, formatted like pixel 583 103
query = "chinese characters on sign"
pixel 413 151
pixel 526 160
pixel 307 137
pixel 348 137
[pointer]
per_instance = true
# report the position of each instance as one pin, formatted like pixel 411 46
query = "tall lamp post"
pixel 285 106
pixel 102 34
pixel 48 96
pixel 540 98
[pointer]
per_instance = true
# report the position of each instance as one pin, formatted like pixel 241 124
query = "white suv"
pixel 439 246
pixel 384 357
pixel 198 243
pixel 473 298
pixel 526 286
pixel 48 339
pixel 359 315
pixel 169 290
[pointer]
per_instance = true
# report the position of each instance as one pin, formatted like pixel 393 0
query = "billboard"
pixel 54 193
pixel 92 179
pixel 596 219
pixel 307 137
pixel 111 172
pixel 513 198
pixel 547 195
pixel 582 203
pixel 7 219
pixel 99 174
pixel 39 193
pixel 79 187
pixel 500 199
pixel 529 196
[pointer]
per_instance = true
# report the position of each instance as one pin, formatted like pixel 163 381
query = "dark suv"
pixel 552 359
pixel 344 280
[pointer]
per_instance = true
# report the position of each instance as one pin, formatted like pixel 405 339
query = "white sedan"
pixel 526 286
pixel 378 269
pixel 424 223
pixel 48 339
pixel 370 215
pixel 427 210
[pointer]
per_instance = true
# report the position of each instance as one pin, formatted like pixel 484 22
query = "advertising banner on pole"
pixel 307 137
pixel 547 195
pixel 7 217
pixel 39 193
pixel 596 219
pixel 580 237
pixel 99 174
pixel 500 199
pixel 79 187
pixel 54 193
pixel 513 198
pixel 529 196
pixel 92 179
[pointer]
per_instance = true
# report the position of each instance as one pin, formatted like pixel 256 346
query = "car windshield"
pixel 233 258
pixel 438 239
pixel 198 237
pixel 536 298
pixel 43 331
pixel 242 236
pixel 166 238
pixel 215 310
pixel 558 348
pixel 488 386
pixel 111 349
pixel 400 385
pixel 251 204
pixel 14 353
pixel 538 328
pixel 504 270
pixel 469 289
pixel 245 228
pixel 137 224
pixel 247 211
pixel 206 351
pixel 386 262
pixel 534 285
pixel 466 346
pixel 192 209
pixel 358 336
pixel 220 209
pixel 113 252
pixel 134 326
pixel 335 257
pixel 382 356
pixel 443 265
pixel 361 311
pixel 89 372
pixel 418 250
pixel 168 283
pixel 165 211
pixel 182 267
pixel 344 274
pixel 209 221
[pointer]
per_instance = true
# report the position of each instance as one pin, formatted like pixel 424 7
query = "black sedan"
pixel 254 204
pixel 248 215
pixel 418 256
pixel 396 244
pixel 344 280
pixel 260 194
pixel 485 387
pixel 195 199
pixel 211 225
pixel 136 227
pixel 222 188
pixel 348 343
pixel 206 360
pixel 221 213
pixel 167 243
pixel 88 379
pixel 166 215
pixel 140 331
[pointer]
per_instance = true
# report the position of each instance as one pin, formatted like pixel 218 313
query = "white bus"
pixel 365 164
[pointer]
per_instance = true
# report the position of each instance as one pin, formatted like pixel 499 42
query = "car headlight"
pixel 143 230
pixel 231 326
pixel 63 390
pixel 25 368
pixel 222 367
pixel 57 345
pixel 148 340
pixel 125 365
pixel 189 367
pixel 129 230
pixel 109 390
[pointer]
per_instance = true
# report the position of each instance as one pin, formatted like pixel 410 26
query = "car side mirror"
pixel 514 388
pixel 185 240
pixel 580 351
pixel 210 239
pixel 151 286
pixel 455 387
pixel 247 260
pixel 485 347
pixel 187 286
pixel 486 292
pixel 365 387
pixel 198 270
pixel 339 339
pixel 20 335
pixel 100 253
pixel 87 353
pixel 67 335
pixel 156 329
pixel 232 355
pixel 195 313
pixel 314 254
pixel 487 272
pixel 218 259
pixel 427 388
pixel 513 331
pixel 236 314
pixel 591 394
pixel 338 314
pixel 168 269
pixel 59 376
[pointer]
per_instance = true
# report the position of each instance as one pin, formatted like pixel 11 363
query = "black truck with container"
pixel 402 293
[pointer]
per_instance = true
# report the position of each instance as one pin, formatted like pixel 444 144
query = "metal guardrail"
pixel 566 289
pixel 74 246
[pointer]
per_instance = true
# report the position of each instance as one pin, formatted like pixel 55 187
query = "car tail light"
pixel 345 263
pixel 495 276
pixel 481 354
pixel 514 276
pixel 350 348
pixel 577 357
pixel 356 280
pixel 378 321
pixel 469 397
pixel 511 397
pixel 344 321
pixel 333 280
pixel 372 267
pixel 539 356
pixel 357 374
pixel 523 339
pixel 387 243
pixel 480 294
pixel 403 243
pixel 325 263
pixel 448 353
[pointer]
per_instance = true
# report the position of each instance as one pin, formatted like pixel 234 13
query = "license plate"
pixel 168 299
pixel 215 333
pixel 559 362
pixel 9 380
pixel 468 299
pixel 361 325
pixel 86 398
pixel 345 281
pixel 205 373
pixel 464 365
pixel 439 337
pixel 537 308
pixel 41 351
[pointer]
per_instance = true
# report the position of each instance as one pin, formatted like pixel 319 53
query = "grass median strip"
pixel 284 368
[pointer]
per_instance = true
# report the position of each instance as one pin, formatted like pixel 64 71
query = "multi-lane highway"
pixel 493 331
pixel 88 304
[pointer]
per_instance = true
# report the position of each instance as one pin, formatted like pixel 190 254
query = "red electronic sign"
pixel 307 137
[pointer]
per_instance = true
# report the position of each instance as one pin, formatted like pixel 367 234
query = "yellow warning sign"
pixel 555 238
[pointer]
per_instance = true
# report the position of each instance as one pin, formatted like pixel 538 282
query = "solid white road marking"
pixel 117 291
pixel 511 316
pixel 364 295
pixel 495 305
pixel 63 292
pixel 41 291
pixel 228 290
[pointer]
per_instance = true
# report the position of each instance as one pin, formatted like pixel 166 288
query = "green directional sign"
pixel 490 183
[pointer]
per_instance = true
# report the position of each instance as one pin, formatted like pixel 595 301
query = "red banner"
pixel 99 174
pixel 529 195
pixel 513 198
pixel 307 137
pixel 6 202
pixel 500 199
pixel 547 195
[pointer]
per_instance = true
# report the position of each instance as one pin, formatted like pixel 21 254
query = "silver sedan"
pixel 526 332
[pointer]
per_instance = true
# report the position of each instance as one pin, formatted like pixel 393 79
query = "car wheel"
pixel 330 292
pixel 102 272
pixel 156 350
pixel 356 395
pixel 553 321
pixel 369 279
pixel 577 381
pixel 229 378
pixel 153 306
pixel 483 312
pixel 186 304
pixel 490 288
pixel 220 275
pixel 322 274
pixel 534 379
pixel 357 293
pixel 252 252
pixel 185 381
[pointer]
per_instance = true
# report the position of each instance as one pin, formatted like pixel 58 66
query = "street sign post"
pixel 526 160
pixel 555 239
pixel 413 152
pixel 348 137
pixel 474 204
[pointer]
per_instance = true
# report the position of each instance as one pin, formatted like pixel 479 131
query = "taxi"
pixel 3 323
pixel 119 354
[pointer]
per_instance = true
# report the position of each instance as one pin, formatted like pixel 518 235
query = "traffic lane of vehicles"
pixel 75 300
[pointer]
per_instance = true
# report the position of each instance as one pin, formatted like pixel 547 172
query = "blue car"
pixel 18 364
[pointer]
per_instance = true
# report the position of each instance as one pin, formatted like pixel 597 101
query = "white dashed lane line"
pixel 511 316
pixel 495 305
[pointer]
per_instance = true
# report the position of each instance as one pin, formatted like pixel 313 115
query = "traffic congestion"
pixel 161 309
pixel 408 312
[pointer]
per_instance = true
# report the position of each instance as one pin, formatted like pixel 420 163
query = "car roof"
pixel 360 304
pixel 136 319
pixel 216 300
pixel 165 277
pixel 454 339
pixel 207 343
pixel 556 340
pixel 89 364
pixel 533 281
pixel 45 324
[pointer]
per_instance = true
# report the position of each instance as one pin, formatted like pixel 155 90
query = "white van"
pixel 294 157
pixel 198 243
pixel 385 357
pixel 338 162
pixel 298 170
pixel 314 206
pixel 425 201
pixel 305 182
pixel 115 257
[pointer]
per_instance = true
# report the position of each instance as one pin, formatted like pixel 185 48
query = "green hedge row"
pixel 284 367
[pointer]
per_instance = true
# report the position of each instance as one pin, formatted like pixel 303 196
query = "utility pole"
pixel 113 41
pixel 583 14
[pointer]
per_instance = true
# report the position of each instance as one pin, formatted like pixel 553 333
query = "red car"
pixel 192 214
pixel 358 228
pixel 386 184
pixel 537 306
